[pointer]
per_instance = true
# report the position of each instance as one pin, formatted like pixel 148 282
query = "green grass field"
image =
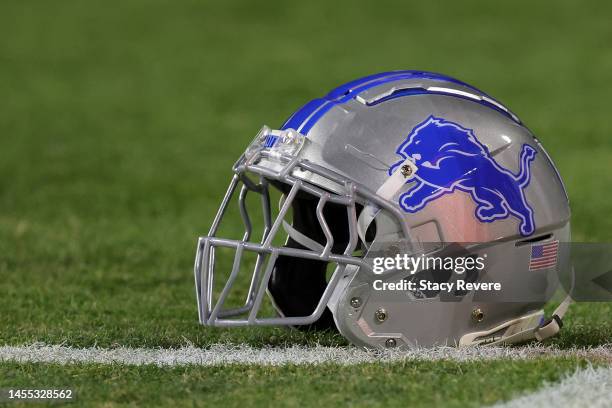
pixel 424 384
pixel 119 124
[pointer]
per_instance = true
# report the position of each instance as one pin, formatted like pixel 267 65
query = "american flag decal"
pixel 543 256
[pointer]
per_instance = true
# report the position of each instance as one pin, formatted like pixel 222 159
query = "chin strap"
pixel 524 328
pixel 551 326
pixel 521 329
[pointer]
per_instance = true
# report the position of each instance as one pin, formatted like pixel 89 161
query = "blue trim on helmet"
pixel 302 114
pixel 409 92
pixel 317 115
pixel 384 77
pixel 345 88
pixel 306 117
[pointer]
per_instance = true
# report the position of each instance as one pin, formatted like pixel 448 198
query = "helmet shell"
pixel 509 193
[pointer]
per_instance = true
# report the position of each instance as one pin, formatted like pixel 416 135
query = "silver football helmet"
pixel 386 169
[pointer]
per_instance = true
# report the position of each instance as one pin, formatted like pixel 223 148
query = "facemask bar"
pixel 267 254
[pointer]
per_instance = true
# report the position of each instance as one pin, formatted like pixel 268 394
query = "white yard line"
pixel 586 388
pixel 217 355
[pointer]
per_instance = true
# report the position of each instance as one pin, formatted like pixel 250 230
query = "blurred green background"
pixel 119 122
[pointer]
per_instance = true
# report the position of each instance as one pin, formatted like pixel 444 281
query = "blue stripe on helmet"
pixel 302 114
pixel 345 88
pixel 305 118
pixel 384 77
pixel 410 92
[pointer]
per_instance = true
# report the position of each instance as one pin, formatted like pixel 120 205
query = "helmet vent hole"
pixel 535 239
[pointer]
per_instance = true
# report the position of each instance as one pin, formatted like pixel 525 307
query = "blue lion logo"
pixel 449 158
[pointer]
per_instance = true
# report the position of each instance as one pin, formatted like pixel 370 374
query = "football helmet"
pixel 379 173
